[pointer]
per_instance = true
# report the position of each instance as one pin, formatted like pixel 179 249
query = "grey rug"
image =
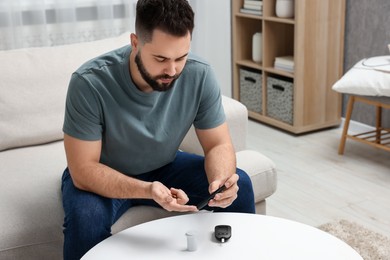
pixel 369 244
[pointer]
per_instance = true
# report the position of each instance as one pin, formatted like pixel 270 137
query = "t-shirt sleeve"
pixel 210 113
pixel 82 111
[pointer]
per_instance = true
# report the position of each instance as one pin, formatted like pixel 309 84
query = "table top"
pixel 253 236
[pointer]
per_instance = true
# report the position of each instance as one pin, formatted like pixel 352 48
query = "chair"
pixel 368 81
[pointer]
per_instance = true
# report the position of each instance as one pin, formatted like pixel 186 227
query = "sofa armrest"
pixel 237 120
pixel 262 171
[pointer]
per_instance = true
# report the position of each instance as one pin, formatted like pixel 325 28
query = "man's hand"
pixel 220 163
pixel 225 198
pixel 170 199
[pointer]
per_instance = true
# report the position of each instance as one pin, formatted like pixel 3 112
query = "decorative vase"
pixel 284 8
pixel 256 47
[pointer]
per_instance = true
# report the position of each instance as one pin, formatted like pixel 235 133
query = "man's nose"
pixel 170 70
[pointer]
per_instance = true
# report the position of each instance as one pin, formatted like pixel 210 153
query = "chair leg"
pixel 378 124
pixel 351 101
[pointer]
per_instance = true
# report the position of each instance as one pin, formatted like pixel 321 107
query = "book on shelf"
pixel 284 68
pixel 251 11
pixel 253 7
pixel 286 60
pixel 254 2
pixel 285 63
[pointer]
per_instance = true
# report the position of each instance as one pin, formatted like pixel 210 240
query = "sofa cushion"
pixel 31 213
pixel 261 170
pixel 33 85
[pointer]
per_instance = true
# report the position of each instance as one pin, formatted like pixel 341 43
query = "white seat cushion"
pixel 368 77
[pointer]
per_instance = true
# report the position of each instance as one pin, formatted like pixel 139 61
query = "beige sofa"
pixel 33 85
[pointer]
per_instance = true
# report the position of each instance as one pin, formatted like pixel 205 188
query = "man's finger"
pixel 232 180
pixel 184 208
pixel 180 196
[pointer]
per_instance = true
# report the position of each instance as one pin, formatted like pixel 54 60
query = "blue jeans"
pixel 89 217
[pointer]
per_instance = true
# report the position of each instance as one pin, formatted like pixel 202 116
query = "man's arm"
pixel 90 175
pixel 220 163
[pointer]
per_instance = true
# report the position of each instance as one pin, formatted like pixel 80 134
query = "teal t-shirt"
pixel 139 131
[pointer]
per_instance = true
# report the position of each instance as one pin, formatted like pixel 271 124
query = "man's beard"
pixel 152 81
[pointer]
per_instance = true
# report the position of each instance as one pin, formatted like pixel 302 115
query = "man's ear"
pixel 134 41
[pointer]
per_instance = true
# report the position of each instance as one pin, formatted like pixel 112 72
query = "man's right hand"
pixel 170 199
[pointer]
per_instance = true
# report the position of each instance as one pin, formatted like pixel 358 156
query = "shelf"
pixel 250 16
pixel 279 20
pixel 314 37
pixel 279 40
pixel 250 64
pixel 279 72
pixel 266 18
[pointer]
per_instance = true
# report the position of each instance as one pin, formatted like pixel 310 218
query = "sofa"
pixel 33 84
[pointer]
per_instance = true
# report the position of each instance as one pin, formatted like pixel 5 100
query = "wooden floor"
pixel 316 185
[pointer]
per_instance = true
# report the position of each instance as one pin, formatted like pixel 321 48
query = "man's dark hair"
pixel 174 17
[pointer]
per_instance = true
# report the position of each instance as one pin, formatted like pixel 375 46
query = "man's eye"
pixel 161 59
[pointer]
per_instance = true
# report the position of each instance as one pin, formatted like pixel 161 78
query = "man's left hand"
pixel 225 198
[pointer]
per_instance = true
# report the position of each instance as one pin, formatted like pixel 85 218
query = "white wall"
pixel 212 38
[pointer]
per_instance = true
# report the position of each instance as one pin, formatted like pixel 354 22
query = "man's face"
pixel 162 60
pixel 161 82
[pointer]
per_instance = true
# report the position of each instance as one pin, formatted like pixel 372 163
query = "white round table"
pixel 253 237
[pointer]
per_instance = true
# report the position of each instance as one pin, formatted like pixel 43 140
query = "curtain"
pixel 33 23
pixel 36 23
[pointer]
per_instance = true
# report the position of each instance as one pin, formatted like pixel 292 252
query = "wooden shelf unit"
pixel 315 37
